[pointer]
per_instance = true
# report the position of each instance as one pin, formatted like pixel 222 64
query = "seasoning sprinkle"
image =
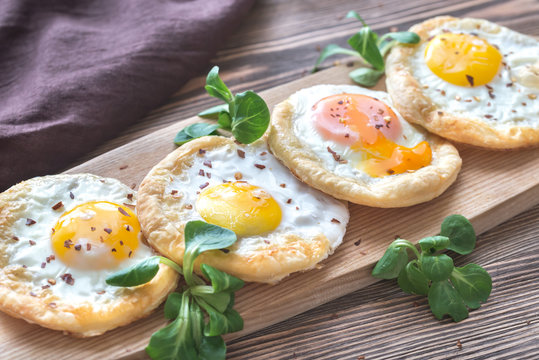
pixel 68 243
pixel 15 238
pixel 107 230
pixel 201 151
pixel 201 172
pixel 30 222
pixel 78 247
pixel 238 176
pixel 88 246
pixel 32 242
pixel 68 278
pixel 208 175
pixel 113 250
pixel 188 206
pixel 357 242
pixel 92 228
pixel 131 206
pixel 263 153
pixel 470 79
pixel 58 205
pixel 71 195
pixel 532 96
pixel 204 185
pixel 335 221
pixel 51 281
pixel 123 212
pixel 43 264
pixel 207 163
pixel 130 197
pixel 282 185
pixel 173 192
pixel 289 201
pixel 52 305
pixel 123 167
pixel 260 166
pixel 101 292
pixel 241 153
pixel 129 255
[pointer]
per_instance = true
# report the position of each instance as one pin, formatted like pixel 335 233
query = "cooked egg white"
pixel 502 65
pixel 61 237
pixel 304 104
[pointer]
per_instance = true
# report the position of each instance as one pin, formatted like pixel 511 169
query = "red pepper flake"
pixel 24 266
pixel 241 153
pixel 58 205
pixel 101 292
pixel 113 250
pixel 173 192
pixel 297 207
pixel 30 222
pixel 442 92
pixel 470 79
pixel 509 84
pixel 346 135
pixel 201 151
pixel 52 305
pixel 68 243
pixel 32 242
pixel 491 94
pixel 289 201
pixel 129 255
pixel 131 206
pixel 263 153
pixel 52 257
pixel 33 294
pixel 127 228
pixel 201 172
pixel 107 230
pixel 440 113
pixel 130 197
pixel 101 239
pixel 88 246
pixel 340 102
pixel 207 163
pixel 335 155
pixel 208 175
pixel 123 212
pixel 204 185
pixel 92 228
pixel 48 259
pixel 123 167
pixel 335 221
pixel 488 116
pixel 390 171
pixel 266 241
pixel 357 242
pixel 121 243
pixel 523 104
pixel 133 186
pixel 78 247
pixel 15 238
pixel 45 286
pixel 260 166
pixel 43 264
pixel 282 185
pixel 53 231
pixel 68 278
pixel 71 195
pixel 238 176
pixel 188 206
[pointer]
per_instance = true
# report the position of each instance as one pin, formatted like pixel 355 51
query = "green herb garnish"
pixel 451 290
pixel 245 115
pixel 189 335
pixel 370 48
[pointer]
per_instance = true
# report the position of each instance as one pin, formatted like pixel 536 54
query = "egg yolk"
pixel 96 235
pixel 241 207
pixel 462 59
pixel 367 125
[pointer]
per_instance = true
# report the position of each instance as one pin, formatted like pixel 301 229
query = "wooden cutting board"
pixel 492 187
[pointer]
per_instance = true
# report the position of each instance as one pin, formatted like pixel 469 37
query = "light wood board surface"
pixel 491 188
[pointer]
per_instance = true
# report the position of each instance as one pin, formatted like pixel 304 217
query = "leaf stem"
pixel 407 244
pixel 172 264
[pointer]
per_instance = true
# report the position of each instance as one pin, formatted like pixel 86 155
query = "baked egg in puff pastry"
pixel 349 142
pixel 282 224
pixel 469 80
pixel 61 236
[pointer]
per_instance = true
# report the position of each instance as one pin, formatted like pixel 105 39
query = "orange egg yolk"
pixel 462 59
pixel 367 125
pixel 241 207
pixel 96 235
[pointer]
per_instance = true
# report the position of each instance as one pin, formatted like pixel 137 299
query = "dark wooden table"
pixel 279 42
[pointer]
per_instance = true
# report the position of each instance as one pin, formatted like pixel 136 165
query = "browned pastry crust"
pixel 416 107
pixel 81 319
pixel 391 191
pixel 163 218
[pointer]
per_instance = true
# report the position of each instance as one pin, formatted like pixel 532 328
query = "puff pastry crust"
pixel 19 298
pixel 410 99
pixel 400 190
pixel 267 258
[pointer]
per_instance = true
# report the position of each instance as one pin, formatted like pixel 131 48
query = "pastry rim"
pixel 81 319
pixel 416 107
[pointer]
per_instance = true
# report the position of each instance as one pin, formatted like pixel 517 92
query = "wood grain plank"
pixel 381 322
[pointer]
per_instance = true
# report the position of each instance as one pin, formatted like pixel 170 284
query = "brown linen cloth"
pixel 75 73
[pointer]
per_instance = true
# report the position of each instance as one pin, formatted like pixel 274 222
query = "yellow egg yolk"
pixel 462 59
pixel 369 126
pixel 241 207
pixel 96 235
